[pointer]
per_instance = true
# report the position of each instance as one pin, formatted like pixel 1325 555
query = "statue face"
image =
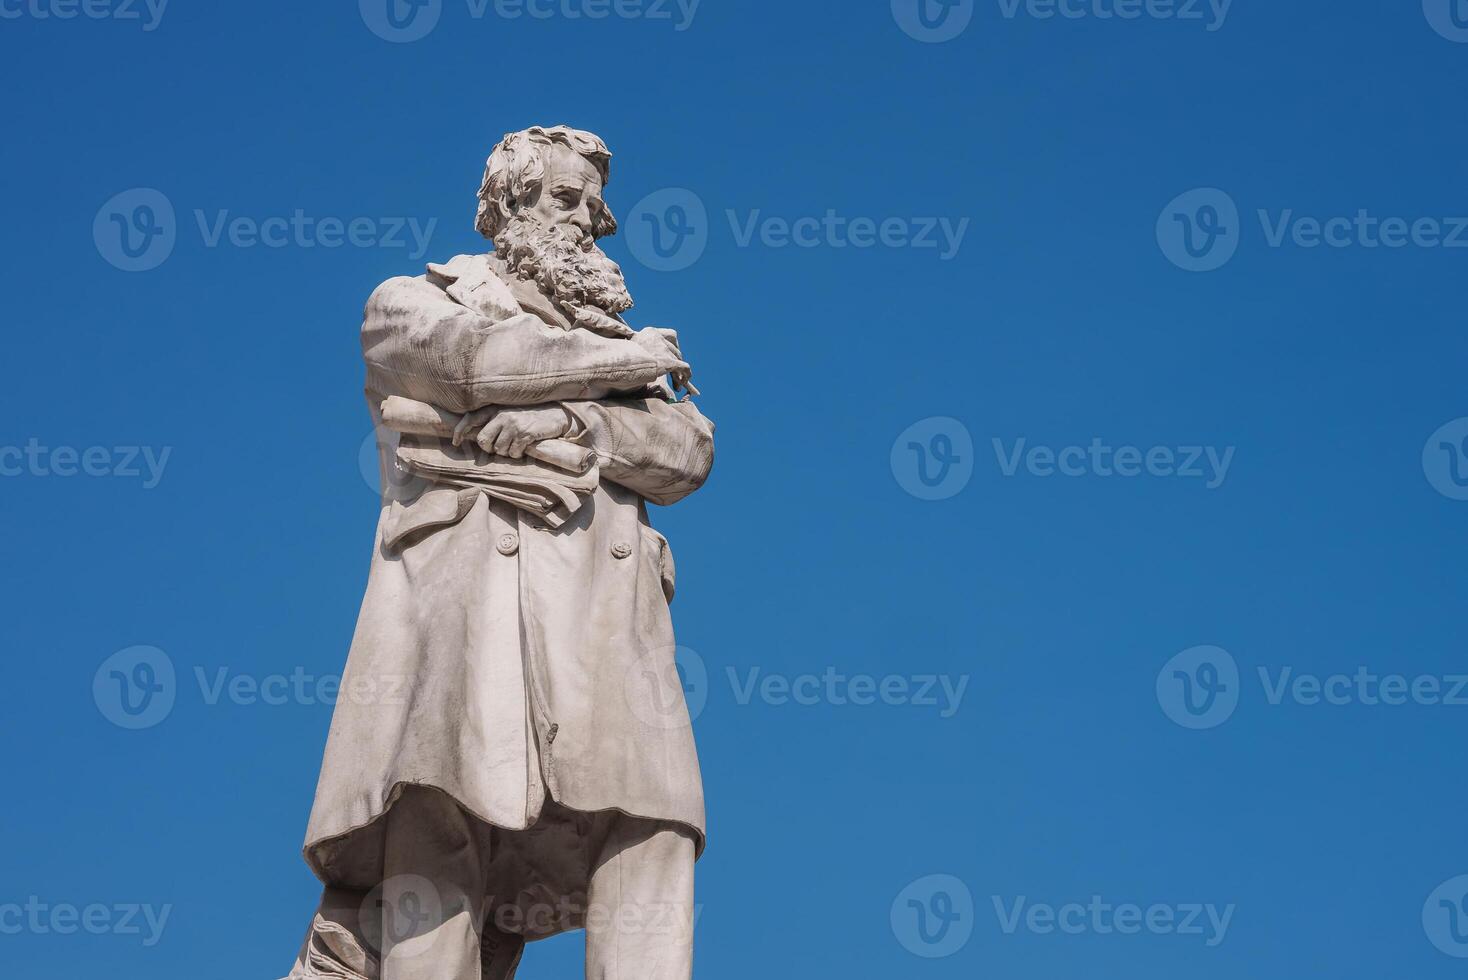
pixel 551 238
pixel 570 193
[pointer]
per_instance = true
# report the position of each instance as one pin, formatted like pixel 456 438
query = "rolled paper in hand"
pixel 422 419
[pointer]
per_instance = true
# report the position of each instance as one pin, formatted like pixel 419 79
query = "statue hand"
pixel 471 422
pixel 661 340
pixel 513 430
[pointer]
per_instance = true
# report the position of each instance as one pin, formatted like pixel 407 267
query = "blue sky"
pixel 1093 440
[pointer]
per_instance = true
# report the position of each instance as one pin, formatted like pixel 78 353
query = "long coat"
pixel 496 659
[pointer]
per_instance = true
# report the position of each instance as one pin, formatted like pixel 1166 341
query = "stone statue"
pixel 511 756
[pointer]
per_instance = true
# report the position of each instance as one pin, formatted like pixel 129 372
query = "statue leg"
pixel 435 865
pixel 337 947
pixel 640 920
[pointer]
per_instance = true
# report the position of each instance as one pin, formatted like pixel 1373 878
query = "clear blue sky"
pixel 1063 317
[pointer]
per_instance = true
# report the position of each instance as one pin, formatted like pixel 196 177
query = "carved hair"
pixel 516 168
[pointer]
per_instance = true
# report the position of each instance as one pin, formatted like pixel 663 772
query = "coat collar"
pixel 485 285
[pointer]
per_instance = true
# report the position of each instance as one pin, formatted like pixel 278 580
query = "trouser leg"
pixel 640 919
pixel 339 946
pixel 434 871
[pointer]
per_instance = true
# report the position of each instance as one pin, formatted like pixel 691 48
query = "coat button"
pixel 508 544
pixel 621 550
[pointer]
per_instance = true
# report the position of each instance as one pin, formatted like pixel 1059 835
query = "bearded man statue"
pixel 511 756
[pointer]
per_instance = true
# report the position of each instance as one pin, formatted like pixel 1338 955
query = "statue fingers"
pixel 469 422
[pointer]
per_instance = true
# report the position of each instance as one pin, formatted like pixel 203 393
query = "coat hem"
pixel 314 848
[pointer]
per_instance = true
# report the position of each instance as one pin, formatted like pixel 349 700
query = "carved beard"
pixel 567 268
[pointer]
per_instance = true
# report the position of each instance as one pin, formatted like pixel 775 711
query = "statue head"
pixel 541 203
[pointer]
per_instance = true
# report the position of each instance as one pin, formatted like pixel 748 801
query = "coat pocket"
pixel 667 570
pixel 435 507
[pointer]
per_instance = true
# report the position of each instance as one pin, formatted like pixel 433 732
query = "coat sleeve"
pixel 419 343
pixel 661 450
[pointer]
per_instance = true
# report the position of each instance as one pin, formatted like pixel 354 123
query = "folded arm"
pixel 421 344
pixel 661 450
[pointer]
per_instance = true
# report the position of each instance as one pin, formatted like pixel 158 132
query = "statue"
pixel 511 756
